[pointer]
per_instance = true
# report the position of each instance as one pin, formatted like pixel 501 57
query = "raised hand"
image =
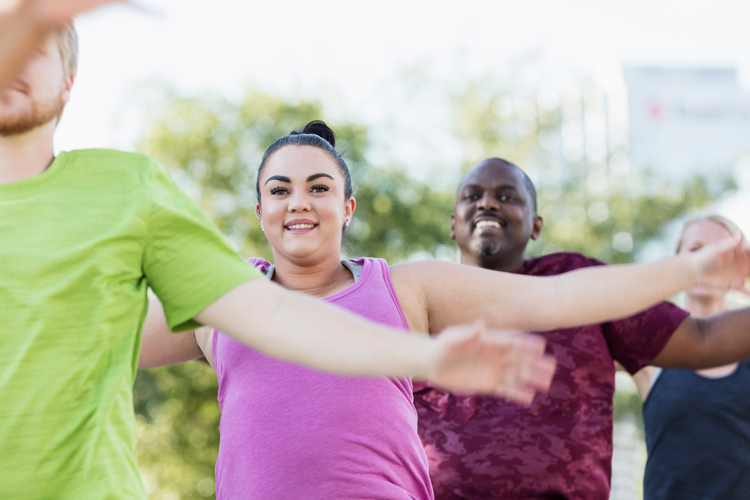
pixel 491 362
pixel 54 13
pixel 28 23
pixel 723 265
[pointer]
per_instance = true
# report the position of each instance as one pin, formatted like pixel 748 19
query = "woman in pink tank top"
pixel 289 432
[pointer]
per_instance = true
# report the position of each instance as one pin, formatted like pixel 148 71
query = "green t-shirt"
pixel 79 245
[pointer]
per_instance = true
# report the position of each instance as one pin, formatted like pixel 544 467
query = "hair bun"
pixel 319 128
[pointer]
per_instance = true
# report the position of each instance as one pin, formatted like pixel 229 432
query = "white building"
pixel 686 120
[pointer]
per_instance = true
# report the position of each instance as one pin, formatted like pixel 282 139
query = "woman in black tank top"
pixel 697 423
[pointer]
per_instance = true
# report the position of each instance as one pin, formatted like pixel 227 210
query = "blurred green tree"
pixel 212 146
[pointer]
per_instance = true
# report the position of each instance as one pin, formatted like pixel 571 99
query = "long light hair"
pixel 727 224
pixel 67 42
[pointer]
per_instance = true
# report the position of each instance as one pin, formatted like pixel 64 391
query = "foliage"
pixel 615 225
pixel 177 422
pixel 213 146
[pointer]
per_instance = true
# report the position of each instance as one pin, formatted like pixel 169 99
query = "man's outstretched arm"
pixel 28 23
pixel 290 326
pixel 717 340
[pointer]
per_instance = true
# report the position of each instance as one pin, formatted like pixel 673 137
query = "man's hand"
pixel 723 265
pixel 491 362
pixel 28 23
pixel 51 14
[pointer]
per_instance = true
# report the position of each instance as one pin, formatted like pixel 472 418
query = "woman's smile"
pixel 300 226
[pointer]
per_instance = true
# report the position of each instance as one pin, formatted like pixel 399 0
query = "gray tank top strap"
pixel 354 267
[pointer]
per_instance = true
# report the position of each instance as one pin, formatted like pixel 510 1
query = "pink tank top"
pixel 289 432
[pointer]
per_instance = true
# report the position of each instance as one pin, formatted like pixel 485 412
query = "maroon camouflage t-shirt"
pixel 561 446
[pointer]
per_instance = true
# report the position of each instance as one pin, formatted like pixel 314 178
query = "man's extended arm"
pixel 27 25
pixel 717 340
pixel 290 326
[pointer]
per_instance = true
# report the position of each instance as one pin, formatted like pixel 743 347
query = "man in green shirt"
pixel 84 235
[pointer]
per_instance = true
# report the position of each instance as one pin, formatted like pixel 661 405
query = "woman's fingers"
pixel 493 362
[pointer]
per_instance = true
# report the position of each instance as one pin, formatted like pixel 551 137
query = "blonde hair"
pixel 67 42
pixel 727 224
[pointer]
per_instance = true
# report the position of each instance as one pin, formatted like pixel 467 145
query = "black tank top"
pixel 698 436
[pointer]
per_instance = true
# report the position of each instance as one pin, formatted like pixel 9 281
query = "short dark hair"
pixel 526 179
pixel 316 134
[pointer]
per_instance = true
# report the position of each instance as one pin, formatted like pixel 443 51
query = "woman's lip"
pixel 300 230
pixel 310 226
pixel 299 221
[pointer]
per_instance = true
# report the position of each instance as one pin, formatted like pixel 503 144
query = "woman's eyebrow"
pixel 279 178
pixel 318 176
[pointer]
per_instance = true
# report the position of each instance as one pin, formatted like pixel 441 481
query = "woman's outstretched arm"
pixel 290 326
pixel 161 347
pixel 302 330
pixel 445 294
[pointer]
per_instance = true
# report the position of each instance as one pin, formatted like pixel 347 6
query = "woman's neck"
pixel 701 307
pixel 321 279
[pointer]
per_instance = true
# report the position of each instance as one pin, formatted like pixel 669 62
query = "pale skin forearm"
pixel 599 294
pixel 21 32
pixel 457 294
pixel 299 329
pixel 291 327
pixel 302 330
pixel 160 347
pixel 24 27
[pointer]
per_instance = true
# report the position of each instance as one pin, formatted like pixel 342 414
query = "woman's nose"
pixel 299 203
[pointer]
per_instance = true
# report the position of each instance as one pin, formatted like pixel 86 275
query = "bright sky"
pixel 353 46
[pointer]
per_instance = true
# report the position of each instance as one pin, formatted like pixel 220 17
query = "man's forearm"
pixel 302 330
pixel 717 340
pixel 20 35
pixel 26 25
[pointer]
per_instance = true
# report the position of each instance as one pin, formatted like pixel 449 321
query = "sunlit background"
pixel 629 116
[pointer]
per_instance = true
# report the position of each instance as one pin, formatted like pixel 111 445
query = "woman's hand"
pixel 722 265
pixel 492 362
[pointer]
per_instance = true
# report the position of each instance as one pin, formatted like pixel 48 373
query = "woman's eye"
pixel 279 191
pixel 506 197
pixel 319 188
pixel 472 197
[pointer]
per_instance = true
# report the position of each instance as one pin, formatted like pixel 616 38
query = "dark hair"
pixel 526 179
pixel 317 134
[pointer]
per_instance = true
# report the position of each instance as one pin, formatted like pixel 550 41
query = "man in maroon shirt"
pixel 560 447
